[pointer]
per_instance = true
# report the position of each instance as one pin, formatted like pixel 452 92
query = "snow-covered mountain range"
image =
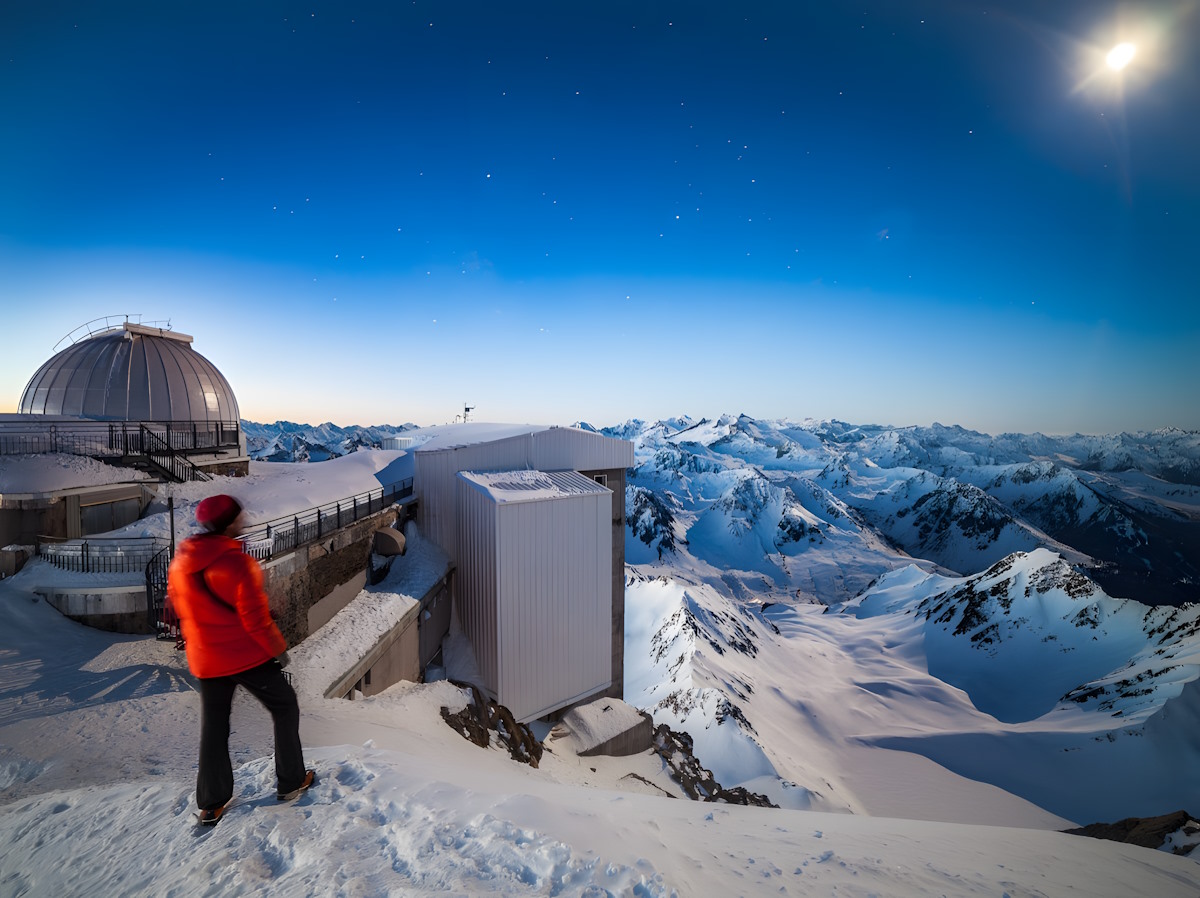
pixel 800 591
pixel 1124 508
pixel 824 606
pixel 286 441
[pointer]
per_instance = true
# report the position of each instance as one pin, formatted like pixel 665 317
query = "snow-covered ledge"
pixel 374 642
pixel 120 609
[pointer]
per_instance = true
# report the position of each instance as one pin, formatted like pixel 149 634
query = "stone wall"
pixel 300 580
pixel 236 467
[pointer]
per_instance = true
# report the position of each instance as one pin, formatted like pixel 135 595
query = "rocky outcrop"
pixel 481 717
pixel 1148 832
pixel 675 749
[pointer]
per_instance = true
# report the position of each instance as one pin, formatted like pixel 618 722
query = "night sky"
pixel 882 212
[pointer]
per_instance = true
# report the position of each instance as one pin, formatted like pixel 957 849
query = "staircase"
pixel 165 461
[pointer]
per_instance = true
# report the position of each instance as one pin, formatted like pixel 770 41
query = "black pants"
pixel 214 782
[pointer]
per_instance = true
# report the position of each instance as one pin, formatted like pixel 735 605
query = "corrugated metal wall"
pixel 477 577
pixel 547 609
pixel 553 449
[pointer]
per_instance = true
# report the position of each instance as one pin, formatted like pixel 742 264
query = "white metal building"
pixel 501 447
pixel 557 552
pixel 534 567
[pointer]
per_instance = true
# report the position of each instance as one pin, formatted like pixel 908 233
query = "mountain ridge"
pixel 800 592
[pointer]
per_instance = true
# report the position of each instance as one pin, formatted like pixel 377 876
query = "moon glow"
pixel 1120 56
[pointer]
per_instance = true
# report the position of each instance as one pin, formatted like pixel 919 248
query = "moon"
pixel 1120 56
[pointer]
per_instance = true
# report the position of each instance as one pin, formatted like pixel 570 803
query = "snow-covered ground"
pixel 56 471
pixel 98 738
pixel 96 783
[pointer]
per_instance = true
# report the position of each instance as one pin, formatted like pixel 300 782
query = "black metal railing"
pixel 170 462
pixel 163 621
pixel 270 538
pixel 286 534
pixel 115 438
pixel 101 555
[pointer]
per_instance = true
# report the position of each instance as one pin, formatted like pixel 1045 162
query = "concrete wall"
pixel 118 609
pixel 323 611
pixel 392 659
pixel 62 514
pixel 402 652
pixel 614 479
pixel 435 620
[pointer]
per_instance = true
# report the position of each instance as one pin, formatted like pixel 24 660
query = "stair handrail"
pixel 180 469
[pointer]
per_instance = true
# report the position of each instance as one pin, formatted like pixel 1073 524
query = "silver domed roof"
pixel 132 373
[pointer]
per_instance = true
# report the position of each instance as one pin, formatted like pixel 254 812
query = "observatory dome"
pixel 131 373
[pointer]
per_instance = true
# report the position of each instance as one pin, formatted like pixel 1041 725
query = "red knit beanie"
pixel 216 513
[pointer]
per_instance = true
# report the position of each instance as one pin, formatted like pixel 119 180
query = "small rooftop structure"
pixel 131 373
pixel 504 487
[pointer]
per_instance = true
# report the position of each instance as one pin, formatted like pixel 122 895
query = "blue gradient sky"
pixel 883 212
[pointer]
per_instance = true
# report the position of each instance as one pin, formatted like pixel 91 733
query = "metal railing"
pixel 163 621
pixel 270 538
pixel 286 534
pixel 116 438
pixel 169 461
pixel 102 555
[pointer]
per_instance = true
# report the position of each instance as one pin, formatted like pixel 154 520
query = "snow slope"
pixel 96 767
pixel 756 620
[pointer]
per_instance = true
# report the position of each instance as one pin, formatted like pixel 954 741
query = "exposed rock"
pixel 476 721
pixel 697 781
pixel 1148 832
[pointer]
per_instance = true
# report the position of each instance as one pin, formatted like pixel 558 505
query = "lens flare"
pixel 1120 56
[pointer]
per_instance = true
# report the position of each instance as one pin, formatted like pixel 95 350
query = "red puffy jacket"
pixel 216 589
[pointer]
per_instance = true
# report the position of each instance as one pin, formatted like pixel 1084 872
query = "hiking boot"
pixel 309 778
pixel 210 817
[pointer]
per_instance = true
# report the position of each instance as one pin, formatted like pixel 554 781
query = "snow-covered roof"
pixel 504 487
pixel 458 436
pixel 597 722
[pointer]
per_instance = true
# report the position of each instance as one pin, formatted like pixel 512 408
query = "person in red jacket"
pixel 231 639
